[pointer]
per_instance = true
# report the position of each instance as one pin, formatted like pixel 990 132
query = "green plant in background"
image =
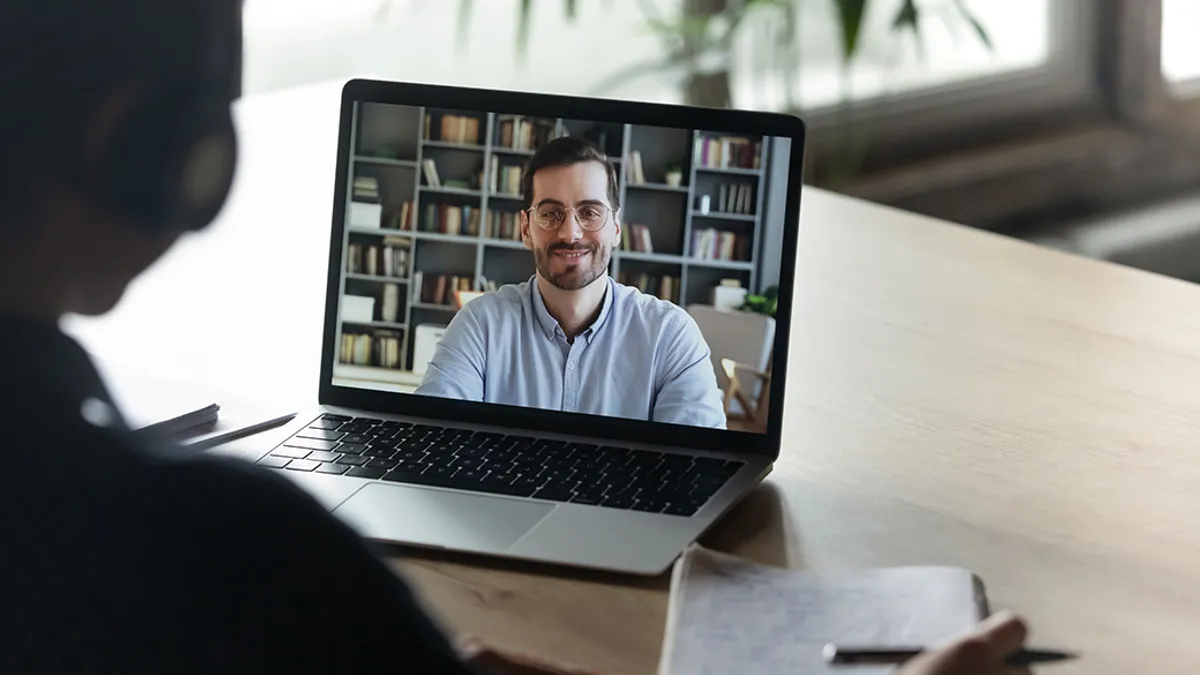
pixel 765 303
pixel 699 49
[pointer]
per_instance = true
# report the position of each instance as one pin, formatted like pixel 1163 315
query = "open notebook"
pixel 728 615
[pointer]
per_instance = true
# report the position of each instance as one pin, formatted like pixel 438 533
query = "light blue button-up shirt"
pixel 643 358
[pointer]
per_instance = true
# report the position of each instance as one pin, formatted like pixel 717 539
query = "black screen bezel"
pixel 571 107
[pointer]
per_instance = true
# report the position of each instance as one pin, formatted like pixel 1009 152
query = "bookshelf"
pixel 446 192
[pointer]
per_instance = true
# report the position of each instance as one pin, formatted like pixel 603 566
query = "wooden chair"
pixel 751 388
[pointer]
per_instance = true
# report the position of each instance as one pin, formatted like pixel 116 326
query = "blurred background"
pixel 1071 123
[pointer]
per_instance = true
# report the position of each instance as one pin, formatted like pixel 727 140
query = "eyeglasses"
pixel 591 217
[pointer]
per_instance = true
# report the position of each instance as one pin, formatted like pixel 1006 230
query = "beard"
pixel 572 275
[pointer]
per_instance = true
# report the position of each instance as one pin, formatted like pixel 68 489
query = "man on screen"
pixel 572 338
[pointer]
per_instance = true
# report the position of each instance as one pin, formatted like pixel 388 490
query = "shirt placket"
pixel 570 402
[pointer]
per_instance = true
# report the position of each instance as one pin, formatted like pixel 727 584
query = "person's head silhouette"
pixel 116 137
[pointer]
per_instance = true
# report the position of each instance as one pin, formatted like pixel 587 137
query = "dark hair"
pixel 565 151
pixel 61 60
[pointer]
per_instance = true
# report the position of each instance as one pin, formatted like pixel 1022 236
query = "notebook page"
pixel 728 615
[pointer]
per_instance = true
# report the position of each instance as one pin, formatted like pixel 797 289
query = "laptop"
pixel 446 417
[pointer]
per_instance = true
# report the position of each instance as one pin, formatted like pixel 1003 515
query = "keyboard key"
pixel 382 463
pixel 339 418
pixel 354 427
pixel 326 424
pixel 554 494
pixel 321 456
pixel 365 472
pixel 351 448
pixel 326 467
pixel 681 509
pixel 310 443
pixel 353 460
pixel 618 502
pixel 301 465
pixel 274 461
pixel 294 453
pixel 587 500
pixel 355 438
pixel 649 506
pixel 320 434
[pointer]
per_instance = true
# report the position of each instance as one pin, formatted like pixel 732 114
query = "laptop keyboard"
pixel 517 465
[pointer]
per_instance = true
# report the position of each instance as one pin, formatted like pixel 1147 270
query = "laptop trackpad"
pixel 437 518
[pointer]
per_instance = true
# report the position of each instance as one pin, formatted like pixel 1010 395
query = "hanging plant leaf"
pixel 850 16
pixel 976 24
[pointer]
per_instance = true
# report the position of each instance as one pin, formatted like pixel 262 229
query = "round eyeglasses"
pixel 591 216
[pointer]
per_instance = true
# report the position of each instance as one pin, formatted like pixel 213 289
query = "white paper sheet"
pixel 728 615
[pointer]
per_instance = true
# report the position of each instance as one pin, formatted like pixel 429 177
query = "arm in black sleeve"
pixel 304 589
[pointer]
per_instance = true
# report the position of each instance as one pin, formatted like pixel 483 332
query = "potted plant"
pixel 674 175
pixel 765 303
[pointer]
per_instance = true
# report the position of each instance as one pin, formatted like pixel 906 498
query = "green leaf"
pixel 908 19
pixel 572 9
pixel 850 15
pixel 976 24
pixel 523 18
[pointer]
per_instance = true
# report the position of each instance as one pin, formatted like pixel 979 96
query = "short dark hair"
pixel 565 151
pixel 61 60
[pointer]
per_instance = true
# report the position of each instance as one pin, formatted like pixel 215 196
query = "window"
pixel 1180 50
pixel 890 62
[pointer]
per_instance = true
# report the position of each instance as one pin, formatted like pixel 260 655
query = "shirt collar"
pixel 550 326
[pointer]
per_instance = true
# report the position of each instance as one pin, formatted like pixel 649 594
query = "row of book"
pixel 736 198
pixel 451 219
pixel 524 133
pixel 431 178
pixel 505 179
pixel 438 289
pixel 636 237
pixel 727 152
pixel 390 259
pixel 380 348
pixel 714 244
pixel 504 225
pixel 665 287
pixel 452 128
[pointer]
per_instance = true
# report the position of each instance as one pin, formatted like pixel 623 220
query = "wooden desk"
pixel 954 397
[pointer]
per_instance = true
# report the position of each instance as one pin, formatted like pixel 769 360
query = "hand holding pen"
pixel 995 647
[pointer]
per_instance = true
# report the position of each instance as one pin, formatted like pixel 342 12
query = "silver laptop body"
pixel 414 470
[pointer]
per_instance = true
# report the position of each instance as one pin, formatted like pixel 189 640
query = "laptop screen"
pixel 570 265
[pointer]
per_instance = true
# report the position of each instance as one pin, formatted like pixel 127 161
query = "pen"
pixel 868 655
pixel 222 438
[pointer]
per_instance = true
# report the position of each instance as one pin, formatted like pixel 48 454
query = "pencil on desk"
pixel 851 655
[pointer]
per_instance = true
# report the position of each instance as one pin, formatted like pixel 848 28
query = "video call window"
pixel 448 289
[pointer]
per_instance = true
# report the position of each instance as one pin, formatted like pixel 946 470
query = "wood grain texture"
pixel 954 397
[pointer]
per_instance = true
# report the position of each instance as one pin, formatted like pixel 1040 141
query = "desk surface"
pixel 955 397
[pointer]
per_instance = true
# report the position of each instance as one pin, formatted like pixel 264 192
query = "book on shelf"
pixel 505 179
pixel 736 198
pixel 403 218
pixel 713 244
pixel 378 348
pixel 665 287
pixel 504 225
pixel 430 173
pixel 438 289
pixel 634 172
pixel 366 189
pixel 727 152
pixel 452 219
pixel 390 258
pixel 636 237
pixel 524 133
pixel 452 128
